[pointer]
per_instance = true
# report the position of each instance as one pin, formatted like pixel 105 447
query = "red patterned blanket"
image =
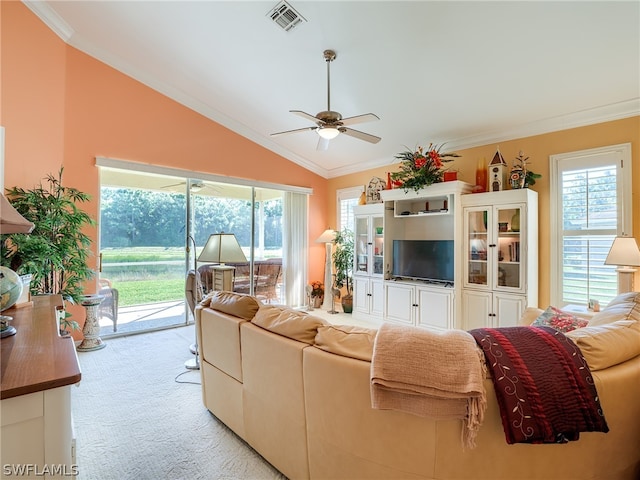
pixel 544 387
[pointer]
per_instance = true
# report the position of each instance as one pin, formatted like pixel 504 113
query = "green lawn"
pixel 138 292
pixel 145 278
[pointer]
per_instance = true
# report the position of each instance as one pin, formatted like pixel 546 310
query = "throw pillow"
pixel 237 304
pixel 561 321
pixel 606 345
pixel 288 322
pixel 347 340
pixel 625 306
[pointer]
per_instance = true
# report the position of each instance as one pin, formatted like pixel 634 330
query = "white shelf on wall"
pixel 436 190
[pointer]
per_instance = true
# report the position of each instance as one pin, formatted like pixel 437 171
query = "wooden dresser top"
pixel 36 358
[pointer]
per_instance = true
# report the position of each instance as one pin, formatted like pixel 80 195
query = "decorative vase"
pixel 517 178
pixel 389 184
pixel 515 221
pixel 317 301
pixel 481 176
pixel 347 304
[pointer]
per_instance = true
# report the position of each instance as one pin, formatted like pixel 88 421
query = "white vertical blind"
pixel 295 248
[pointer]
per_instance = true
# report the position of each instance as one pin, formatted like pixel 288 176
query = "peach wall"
pixel 63 107
pixel 108 114
pixel 538 148
pixel 32 92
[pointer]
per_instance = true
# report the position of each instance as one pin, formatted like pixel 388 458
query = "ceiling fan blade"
pixel 323 144
pixel 360 135
pixel 173 185
pixel 305 129
pixel 367 117
pixel 306 115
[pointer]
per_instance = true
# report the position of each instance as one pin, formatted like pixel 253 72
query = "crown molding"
pixel 50 18
pixel 592 116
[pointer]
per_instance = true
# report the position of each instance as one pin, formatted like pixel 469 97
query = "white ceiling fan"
pixel 330 124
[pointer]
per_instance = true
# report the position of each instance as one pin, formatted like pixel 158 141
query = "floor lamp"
pixel 327 237
pixel 625 254
pixel 219 249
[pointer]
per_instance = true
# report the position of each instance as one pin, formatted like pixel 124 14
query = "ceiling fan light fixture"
pixel 328 132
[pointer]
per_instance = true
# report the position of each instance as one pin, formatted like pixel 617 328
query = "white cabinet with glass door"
pixel 368 268
pixel 500 257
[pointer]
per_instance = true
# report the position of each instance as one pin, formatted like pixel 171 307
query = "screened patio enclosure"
pixel 152 228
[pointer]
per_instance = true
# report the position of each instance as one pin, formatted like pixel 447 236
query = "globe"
pixel 10 288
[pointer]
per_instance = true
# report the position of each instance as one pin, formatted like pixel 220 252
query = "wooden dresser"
pixel 37 368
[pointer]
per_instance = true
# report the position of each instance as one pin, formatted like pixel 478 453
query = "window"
pixel 346 199
pixel 590 205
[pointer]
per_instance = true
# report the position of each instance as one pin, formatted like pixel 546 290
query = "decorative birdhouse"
pixel 497 172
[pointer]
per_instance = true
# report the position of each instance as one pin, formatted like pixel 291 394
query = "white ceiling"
pixel 465 73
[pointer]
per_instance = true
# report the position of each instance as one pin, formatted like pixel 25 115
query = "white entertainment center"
pixel 486 275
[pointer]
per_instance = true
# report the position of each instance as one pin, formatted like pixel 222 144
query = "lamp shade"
pixel 222 248
pixel 10 220
pixel 328 236
pixel 328 132
pixel 624 251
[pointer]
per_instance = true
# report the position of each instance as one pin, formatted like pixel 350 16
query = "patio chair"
pixel 241 278
pixel 109 306
pixel 267 279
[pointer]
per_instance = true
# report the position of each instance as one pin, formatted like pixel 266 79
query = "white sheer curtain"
pixel 295 248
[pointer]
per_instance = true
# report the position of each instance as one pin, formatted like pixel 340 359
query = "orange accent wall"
pixel 61 107
pixel 32 94
pixel 538 148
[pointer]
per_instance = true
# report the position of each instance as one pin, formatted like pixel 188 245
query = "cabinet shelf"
pixel 422 207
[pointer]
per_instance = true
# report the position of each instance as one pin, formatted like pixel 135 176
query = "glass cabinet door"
pixel 369 245
pixel 508 266
pixel 378 246
pixel 361 239
pixel 477 243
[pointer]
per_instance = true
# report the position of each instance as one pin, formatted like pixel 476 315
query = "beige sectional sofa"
pixel 298 391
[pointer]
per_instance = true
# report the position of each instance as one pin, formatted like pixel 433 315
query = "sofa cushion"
pixel 606 345
pixel 288 322
pixel 347 340
pixel 236 304
pixel 561 321
pixel 529 316
pixel 625 306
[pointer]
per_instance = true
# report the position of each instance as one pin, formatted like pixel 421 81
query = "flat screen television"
pixel 423 260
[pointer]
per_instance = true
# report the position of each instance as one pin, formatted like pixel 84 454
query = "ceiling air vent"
pixel 285 16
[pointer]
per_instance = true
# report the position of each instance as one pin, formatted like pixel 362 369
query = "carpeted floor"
pixel 133 420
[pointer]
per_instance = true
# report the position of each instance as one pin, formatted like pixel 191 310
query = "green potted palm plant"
pixel 57 250
pixel 343 263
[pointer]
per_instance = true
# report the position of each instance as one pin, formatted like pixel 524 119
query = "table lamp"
pixel 625 254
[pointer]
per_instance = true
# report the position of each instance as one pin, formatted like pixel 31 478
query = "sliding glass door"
pixel 254 216
pixel 142 255
pixel 152 229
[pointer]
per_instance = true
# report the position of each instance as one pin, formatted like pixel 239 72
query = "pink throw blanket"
pixel 436 375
